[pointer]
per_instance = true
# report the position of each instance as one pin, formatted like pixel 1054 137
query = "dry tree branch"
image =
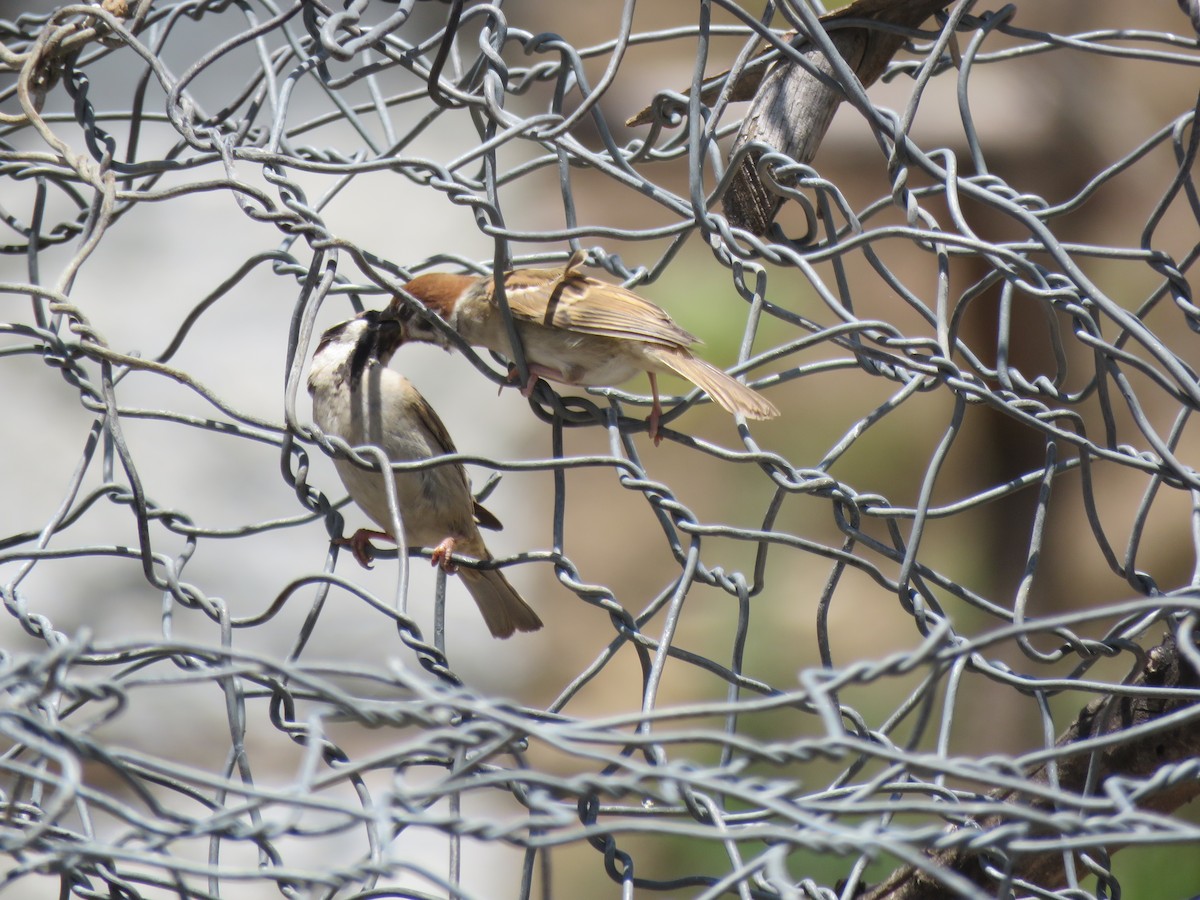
pixel 1104 754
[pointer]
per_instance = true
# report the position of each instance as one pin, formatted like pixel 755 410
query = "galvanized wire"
pixel 278 111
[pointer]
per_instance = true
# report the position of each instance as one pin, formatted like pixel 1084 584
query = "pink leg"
pixel 360 544
pixel 441 556
pixel 655 411
pixel 535 372
pixel 527 391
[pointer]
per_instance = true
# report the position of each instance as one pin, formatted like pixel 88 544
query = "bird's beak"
pixel 389 332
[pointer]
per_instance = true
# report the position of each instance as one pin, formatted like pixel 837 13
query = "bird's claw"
pixel 441 556
pixel 514 378
pixel 361 547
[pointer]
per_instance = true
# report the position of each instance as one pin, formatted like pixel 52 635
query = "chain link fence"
pixel 929 633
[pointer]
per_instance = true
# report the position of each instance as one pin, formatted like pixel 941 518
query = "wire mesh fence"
pixel 829 655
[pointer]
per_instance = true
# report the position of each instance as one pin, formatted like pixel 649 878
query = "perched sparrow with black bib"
pixel 574 329
pixel 359 399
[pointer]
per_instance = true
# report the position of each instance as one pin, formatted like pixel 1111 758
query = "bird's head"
pixel 416 324
pixel 370 338
pixel 439 295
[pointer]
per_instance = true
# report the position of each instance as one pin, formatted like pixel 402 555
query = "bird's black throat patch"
pixel 366 351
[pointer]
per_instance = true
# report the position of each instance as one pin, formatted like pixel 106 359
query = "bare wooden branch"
pixel 794 105
pixel 791 111
pixel 1138 758
pixel 748 79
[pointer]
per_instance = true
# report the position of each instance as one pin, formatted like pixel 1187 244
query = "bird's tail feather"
pixel 502 607
pixel 729 393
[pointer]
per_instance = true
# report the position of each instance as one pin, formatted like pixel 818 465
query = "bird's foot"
pixel 655 415
pixel 360 544
pixel 515 378
pixel 535 372
pixel 441 556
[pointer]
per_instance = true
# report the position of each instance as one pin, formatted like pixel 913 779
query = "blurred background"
pixel 248 160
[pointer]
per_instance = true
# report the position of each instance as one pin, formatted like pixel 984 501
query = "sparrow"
pixel 574 329
pixel 359 399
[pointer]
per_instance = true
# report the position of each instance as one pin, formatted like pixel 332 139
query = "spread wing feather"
pixel 587 305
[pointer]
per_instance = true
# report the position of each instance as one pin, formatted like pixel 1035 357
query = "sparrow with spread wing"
pixel 574 329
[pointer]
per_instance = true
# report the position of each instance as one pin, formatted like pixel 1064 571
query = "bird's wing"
pixel 440 440
pixel 432 423
pixel 486 519
pixel 574 302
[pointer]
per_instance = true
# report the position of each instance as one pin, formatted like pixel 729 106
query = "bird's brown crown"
pixel 439 291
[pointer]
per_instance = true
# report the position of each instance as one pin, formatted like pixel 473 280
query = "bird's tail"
pixel 502 607
pixel 731 394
